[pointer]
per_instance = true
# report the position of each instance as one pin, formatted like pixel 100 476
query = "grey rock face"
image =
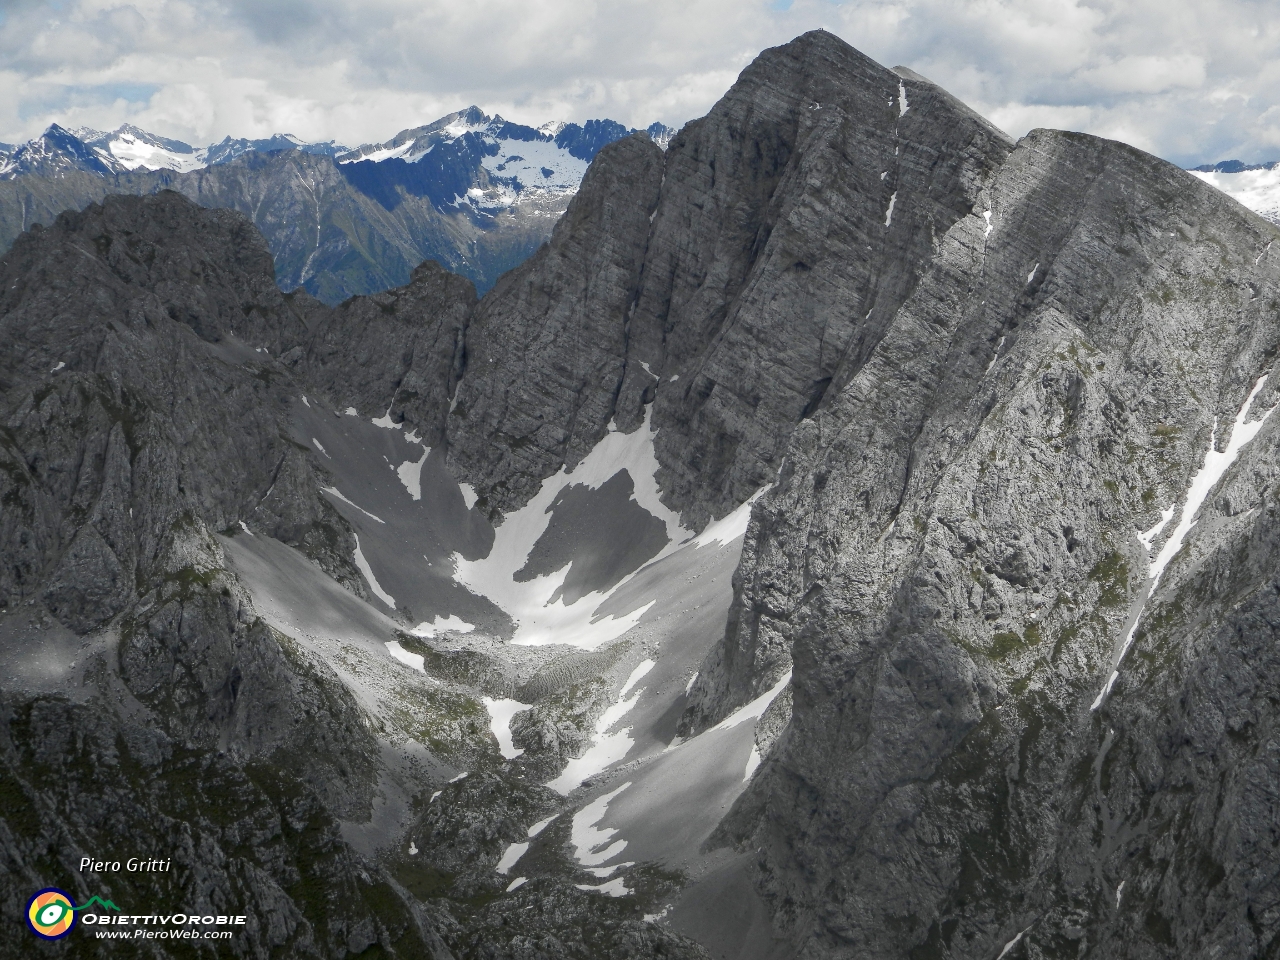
pixel 142 408
pixel 951 557
pixel 129 356
pixel 732 279
pixel 548 347
pixel 398 353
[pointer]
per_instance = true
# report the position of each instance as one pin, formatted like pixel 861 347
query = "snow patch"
pixel 1259 190
pixel 602 872
pixel 404 656
pixel 351 412
pixel 731 526
pixel 636 676
pixel 994 357
pixel 541 825
pixel 538 620
pixel 509 857
pixel 410 474
pixel 363 565
pixel 1011 944
pixel 386 423
pixel 437 625
pixel 753 762
pixel 613 713
pixel 606 750
pixel 58 367
pixel 333 491
pixel 986 215
pixel 1032 275
pixel 320 447
pixel 888 214
pixel 1148 537
pixel 386 153
pixel 245 527
pixel 614 888
pixel 688 687
pixel 500 713
pixel 516 883
pixel 903 106
pixel 592 845
pixel 469 496
pixel 756 707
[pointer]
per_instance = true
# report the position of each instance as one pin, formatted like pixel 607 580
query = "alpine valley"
pixel 852 534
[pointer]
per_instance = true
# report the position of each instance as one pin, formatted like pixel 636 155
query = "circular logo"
pixel 50 914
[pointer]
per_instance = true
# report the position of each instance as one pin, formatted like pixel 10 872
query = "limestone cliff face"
pixel 399 353
pixel 952 558
pixel 974 373
pixel 548 347
pixel 732 279
pixel 118 379
pixel 794 222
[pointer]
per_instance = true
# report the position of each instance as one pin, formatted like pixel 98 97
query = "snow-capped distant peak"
pixel 228 149
pixel 133 148
pixel 56 152
pixel 416 142
pixel 552 127
pixel 661 134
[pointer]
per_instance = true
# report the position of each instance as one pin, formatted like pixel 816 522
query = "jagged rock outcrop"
pixel 142 409
pixel 788 226
pixel 401 352
pixel 548 347
pixel 138 333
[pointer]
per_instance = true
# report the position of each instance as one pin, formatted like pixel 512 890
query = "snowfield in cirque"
pixel 594 566
pixel 536 166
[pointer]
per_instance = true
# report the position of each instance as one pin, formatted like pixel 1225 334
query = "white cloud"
pixel 1189 79
pixel 1148 74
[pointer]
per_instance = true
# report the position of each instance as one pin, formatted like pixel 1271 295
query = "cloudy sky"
pixel 1190 80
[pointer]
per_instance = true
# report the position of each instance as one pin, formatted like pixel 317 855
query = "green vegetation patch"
pixel 1111 573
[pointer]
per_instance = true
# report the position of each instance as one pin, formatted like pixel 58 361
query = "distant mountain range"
pixel 1255 185
pixel 476 193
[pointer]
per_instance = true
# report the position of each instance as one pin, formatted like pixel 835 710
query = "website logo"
pixel 51 914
